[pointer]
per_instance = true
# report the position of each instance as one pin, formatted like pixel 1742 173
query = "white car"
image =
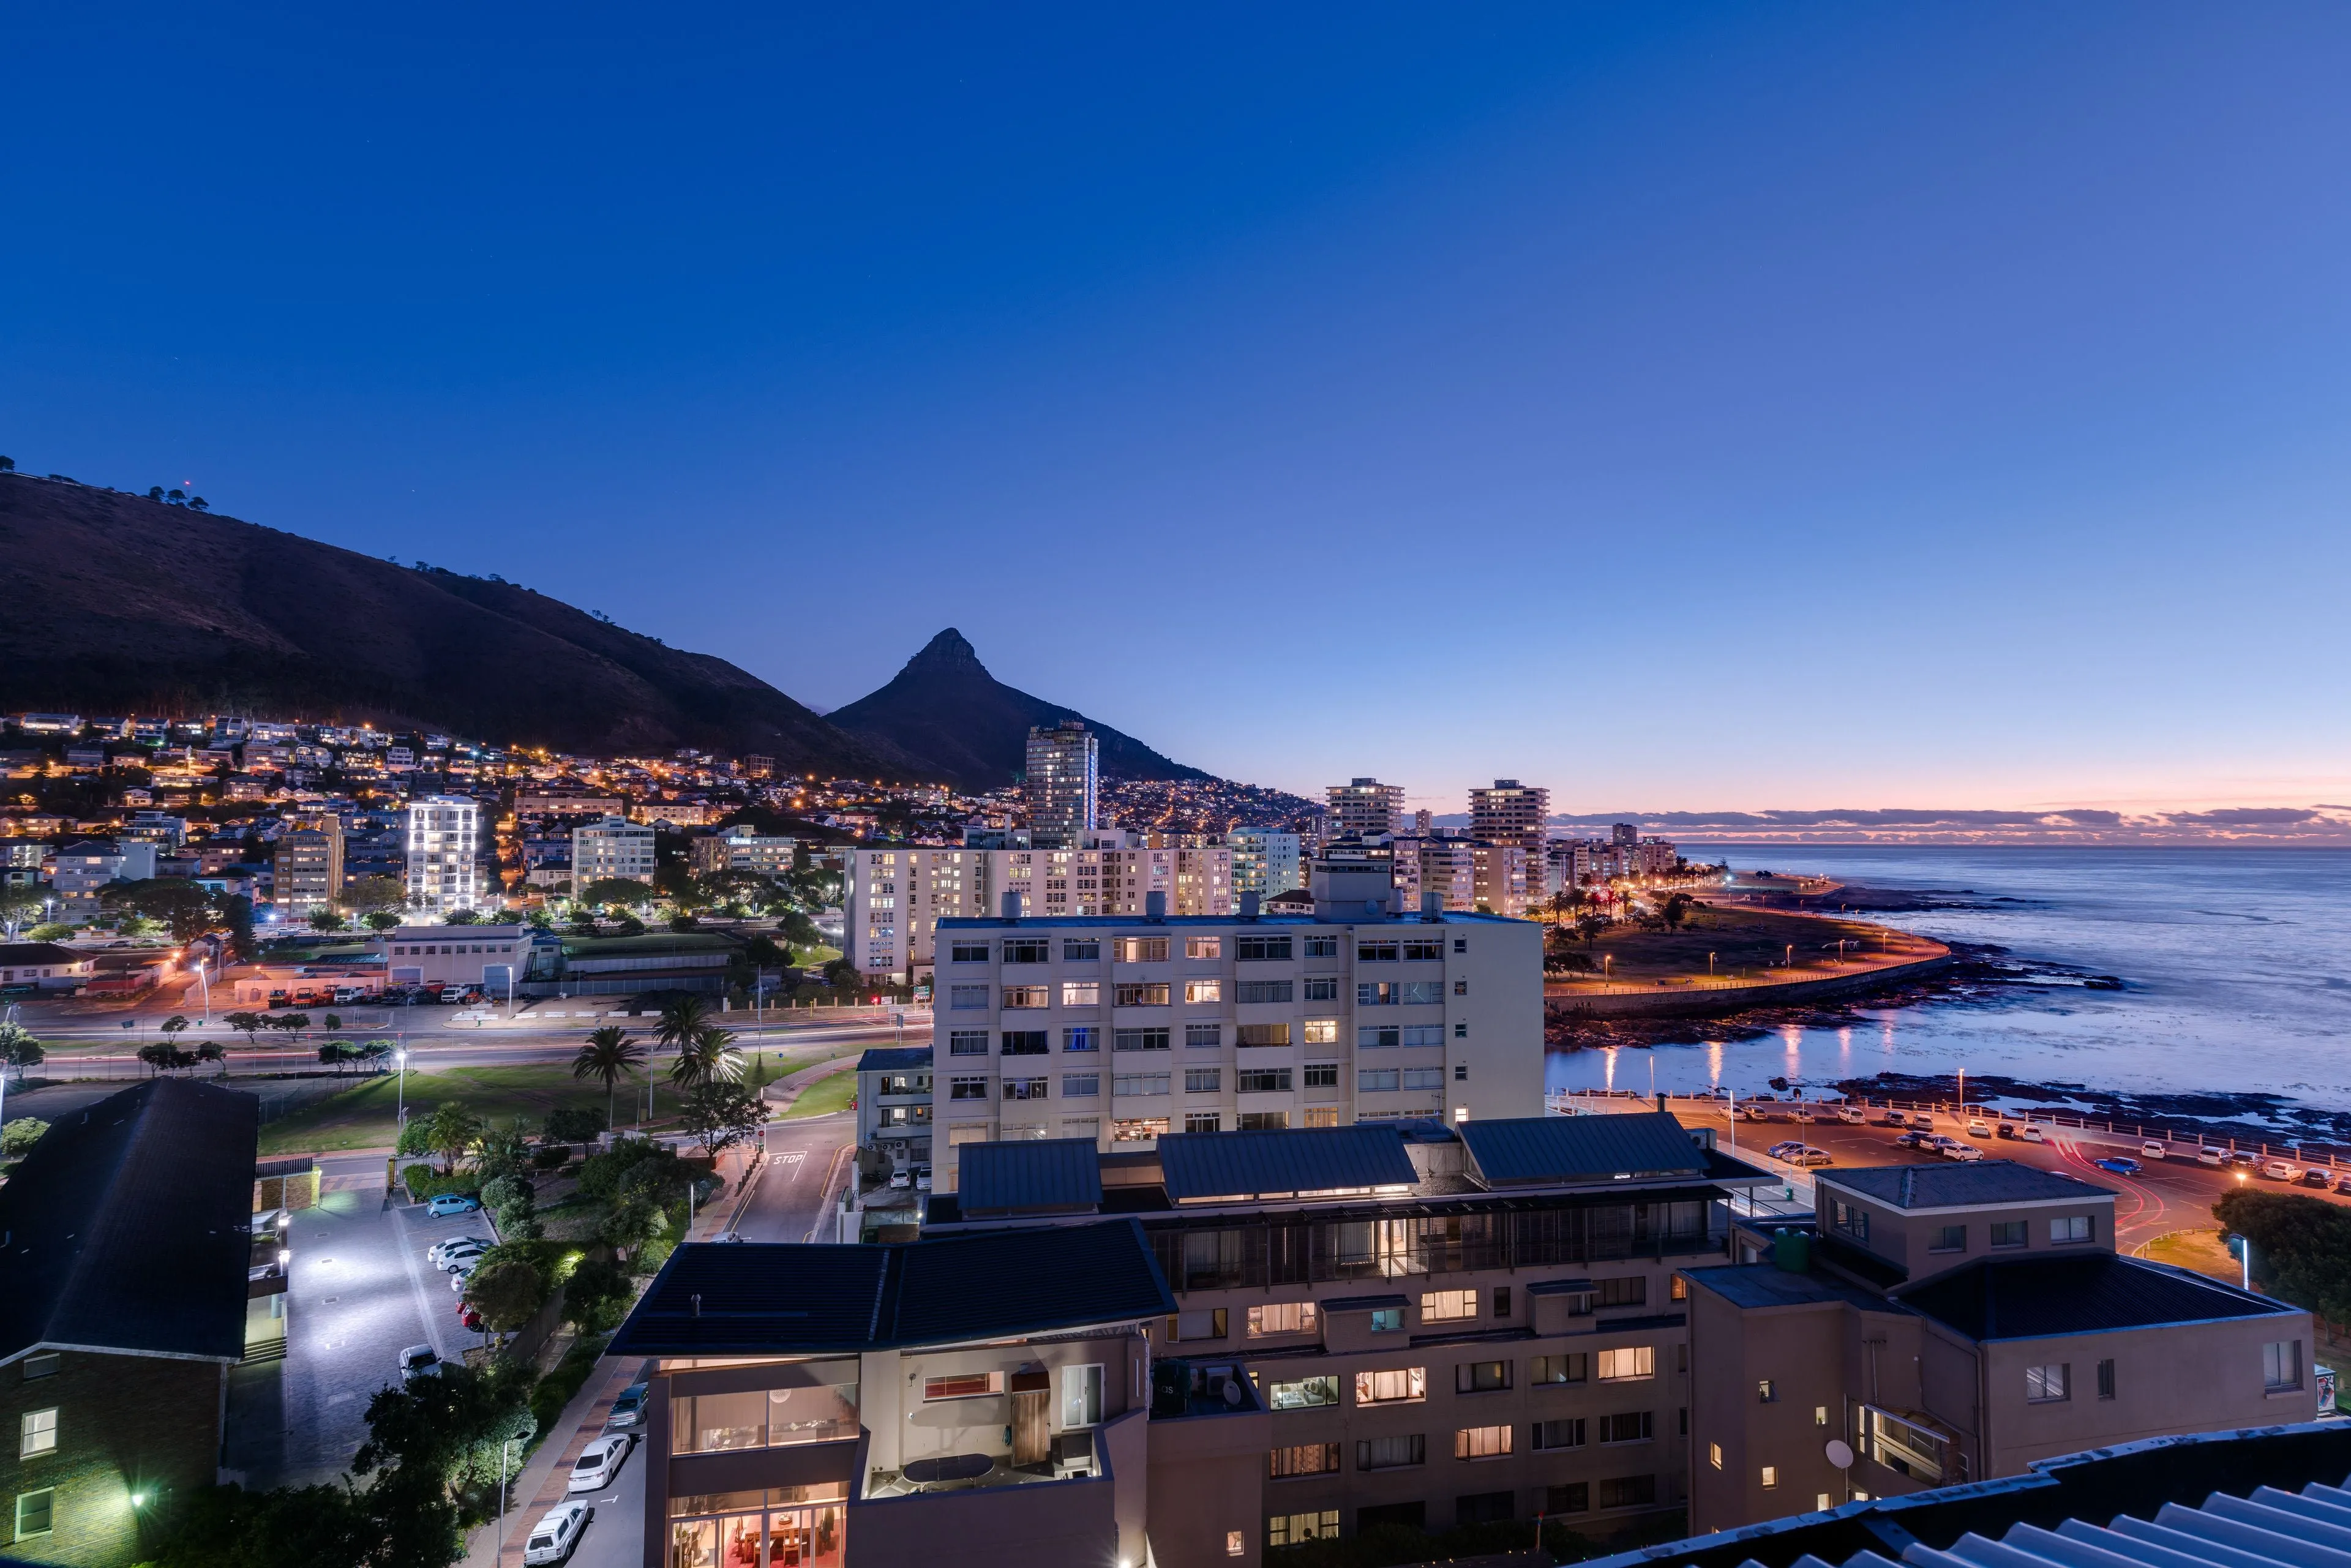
pixel 594 1470
pixel 2032 1134
pixel 466 1257
pixel 1853 1114
pixel 441 1253
pixel 2209 1156
pixel 901 1178
pixel 2280 1170
pixel 557 1532
pixel 2150 1150
pixel 1957 1151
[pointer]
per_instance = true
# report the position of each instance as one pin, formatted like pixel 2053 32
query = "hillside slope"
pixel 121 604
pixel 955 721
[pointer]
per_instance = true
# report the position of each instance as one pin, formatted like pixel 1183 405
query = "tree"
pixel 17 1137
pixel 708 1056
pixel 336 1055
pixel 596 1295
pixel 228 1527
pixel 165 1058
pixel 373 896
pixel 2301 1246
pixel 20 1050
pixel 615 893
pixel 173 1026
pixel 1674 910
pixel 461 917
pixel 452 1132
pixel 382 920
pixel 323 919
pixel 290 1023
pixel 236 912
pixel 249 1025
pixel 580 1125
pixel 438 1437
pixel 503 1150
pixel 506 1294
pixel 720 1115
pixel 678 1024
pixel 184 906
pixel 607 1053
pixel 1589 926
pixel 19 907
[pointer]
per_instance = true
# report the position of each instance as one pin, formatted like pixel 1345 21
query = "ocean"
pixel 2235 964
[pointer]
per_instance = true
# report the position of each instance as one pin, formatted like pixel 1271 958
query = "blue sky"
pixel 1689 407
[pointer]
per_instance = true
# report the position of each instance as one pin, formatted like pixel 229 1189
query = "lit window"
pixel 1394 1386
pixel 1447 1306
pixel 1770 1477
pixel 2046 1384
pixel 1713 1455
pixel 1481 1442
pixel 1281 1318
pixel 1633 1362
pixel 38 1434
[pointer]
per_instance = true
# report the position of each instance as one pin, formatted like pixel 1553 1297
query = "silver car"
pixel 557 1532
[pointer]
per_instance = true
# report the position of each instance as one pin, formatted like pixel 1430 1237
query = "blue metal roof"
pixel 1029 1175
pixel 1202 1166
pixel 1541 1150
pixel 896 1058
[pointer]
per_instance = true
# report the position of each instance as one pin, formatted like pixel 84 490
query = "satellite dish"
pixel 1840 1453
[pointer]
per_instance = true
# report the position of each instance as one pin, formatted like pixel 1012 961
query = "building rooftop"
pixel 2028 1298
pixel 19 954
pixel 785 1298
pixel 1141 921
pixel 1295 1162
pixel 896 1058
pixel 1029 1175
pixel 1752 1286
pixel 128 1226
pixel 1542 1150
pixel 1947 1184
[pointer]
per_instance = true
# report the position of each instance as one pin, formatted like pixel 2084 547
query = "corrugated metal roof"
pixel 2309 1529
pixel 2028 1298
pixel 1199 1165
pixel 1947 1184
pixel 1523 1150
pixel 1029 1175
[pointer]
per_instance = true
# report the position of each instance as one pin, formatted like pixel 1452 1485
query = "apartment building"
pixel 1505 878
pixel 1121 1029
pixel 1265 862
pixel 445 846
pixel 987 1399
pixel 893 1103
pixel 309 872
pixel 78 869
pixel 1511 813
pixel 611 848
pixel 1363 807
pixel 1952 1323
pixel 1447 1325
pixel 1062 783
pixel 895 897
pixel 761 854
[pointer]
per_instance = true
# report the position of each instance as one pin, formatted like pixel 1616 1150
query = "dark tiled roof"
pixel 1951 1183
pixel 128 1225
pixel 753 1299
pixel 2028 1298
pixel 1540 1150
pixel 896 1058
pixel 1198 1165
pixel 1029 1175
pixel 18 954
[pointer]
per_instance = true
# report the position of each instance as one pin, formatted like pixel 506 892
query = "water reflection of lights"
pixel 1714 1063
pixel 1608 1080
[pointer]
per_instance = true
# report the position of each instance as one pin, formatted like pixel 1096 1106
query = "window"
pixel 1417 952
pixel 2007 1233
pixel 1766 1391
pixel 2068 1229
pixel 1203 1079
pixel 1027 950
pixel 1283 1317
pixel 1264 1120
pixel 38 1434
pixel 1413 993
pixel 1321 988
pixel 1628 1426
pixel 1081 993
pixel 967 953
pixel 1423 1034
pixel 1447 1306
pixel 1423 1078
pixel 1634 1360
pixel 1501 1301
pixel 1203 1036
pixel 1320 1115
pixel 1461 1031
pixel 1482 1376
pixel 2282 1365
pixel 1770 1477
pixel 1233 1544
pixel 1203 946
pixel 1081 1395
pixel 36 1512
pixel 1320 1031
pixel 967 997
pixel 963 1386
pixel 1080 1085
pixel 1199 991
pixel 1024 1088
pixel 1084 1037
pixel 1391 1453
pixel 1849 1218
pixel 1203 1122
pixel 1140 949
pixel 1260 949
pixel 1397 1386
pixel 1376 952
pixel 1567 1432
pixel 2106 1379
pixel 1263 1080
pixel 1630 1290
pixel 967 1088
pixel 968 1042
pixel 2046 1384
pixel 1481 1442
pixel 1294 1529
pixel 1150 994
pixel 1322 947
pixel 1948 1239
pixel 1302 1393
pixel 1139 1083
pixel 1026 1042
pixel 1258 1034
pixel 39 1366
pixel 1321 1075
pixel 1261 991
pixel 1387 1320
pixel 1575 1497
pixel 1678 1289
pixel 1140 1040
pixel 1713 1455
pixel 1820 1415
pixel 1376 1080
pixel 1302 1459
pixel 1375 994
pixel 1077 950
pixel 1551 1369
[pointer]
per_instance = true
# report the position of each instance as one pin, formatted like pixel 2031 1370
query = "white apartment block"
pixel 444 845
pixel 895 896
pixel 611 847
pixel 762 854
pixel 1264 862
pixel 1119 1030
pixel 1364 807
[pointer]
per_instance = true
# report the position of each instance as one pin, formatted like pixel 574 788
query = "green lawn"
pixel 362 1117
pixel 826 1095
pixel 815 957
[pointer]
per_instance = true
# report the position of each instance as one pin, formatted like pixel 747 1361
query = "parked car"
pixel 1806 1115
pixel 2209 1156
pixel 1851 1116
pixel 447 1244
pixel 727 1238
pixel 464 1252
pixel 1959 1151
pixel 2121 1165
pixel 597 1464
pixel 901 1180
pixel 556 1533
pixel 2004 1130
pixel 467 1318
pixel 2280 1170
pixel 922 1178
pixel 1782 1149
pixel 2343 1182
pixel 1808 1156
pixel 419 1360
pixel 1891 1119
pixel 461 1274
pixel 2032 1134
pixel 2316 1175
pixel 1922 1122
pixel 1910 1139
pixel 444 1205
pixel 2151 1149
pixel 2244 1160
pixel 629 1409
pixel 1978 1129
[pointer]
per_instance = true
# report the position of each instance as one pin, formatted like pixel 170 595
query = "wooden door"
pixel 1031 1441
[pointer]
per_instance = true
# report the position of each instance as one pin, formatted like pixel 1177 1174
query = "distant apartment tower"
pixel 740 849
pixel 1264 862
pixel 757 767
pixel 610 847
pixel 1366 806
pixel 445 844
pixel 1064 764
pixel 309 869
pixel 1510 813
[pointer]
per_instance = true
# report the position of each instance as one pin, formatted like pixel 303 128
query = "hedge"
pixel 423 1181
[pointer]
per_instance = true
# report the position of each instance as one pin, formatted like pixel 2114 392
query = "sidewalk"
pixel 543 1481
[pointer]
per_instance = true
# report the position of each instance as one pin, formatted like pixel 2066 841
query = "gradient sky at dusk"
pixel 1684 407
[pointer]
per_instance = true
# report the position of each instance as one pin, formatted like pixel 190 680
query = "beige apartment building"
pixel 1953 1323
pixel 309 872
pixel 1364 807
pixel 611 848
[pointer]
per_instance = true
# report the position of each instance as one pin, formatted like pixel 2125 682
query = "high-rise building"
pixel 1510 813
pixel 1366 806
pixel 611 847
pixel 1264 862
pixel 1062 783
pixel 444 845
pixel 1623 835
pixel 308 874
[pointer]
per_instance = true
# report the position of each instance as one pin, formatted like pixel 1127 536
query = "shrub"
pixel 558 1388
pixel 549 1157
pixel 17 1138
pixel 423 1181
pixel 596 1296
pixel 2301 1246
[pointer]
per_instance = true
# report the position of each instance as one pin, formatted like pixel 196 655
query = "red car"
pixel 468 1316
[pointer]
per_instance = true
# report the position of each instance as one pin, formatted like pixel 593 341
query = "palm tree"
pixel 610 1054
pixel 680 1021
pixel 708 1057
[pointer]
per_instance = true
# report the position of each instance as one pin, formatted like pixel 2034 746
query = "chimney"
pixel 1011 905
pixel 1154 906
pixel 1249 905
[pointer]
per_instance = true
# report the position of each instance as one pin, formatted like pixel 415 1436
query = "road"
pixel 808 1160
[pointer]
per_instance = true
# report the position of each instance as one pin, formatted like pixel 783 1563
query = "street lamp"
pixel 400 1117
pixel 205 981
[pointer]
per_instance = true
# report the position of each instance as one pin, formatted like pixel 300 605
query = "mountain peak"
pixel 947 653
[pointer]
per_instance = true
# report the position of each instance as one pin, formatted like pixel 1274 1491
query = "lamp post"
pixel 400 1116
pixel 204 981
